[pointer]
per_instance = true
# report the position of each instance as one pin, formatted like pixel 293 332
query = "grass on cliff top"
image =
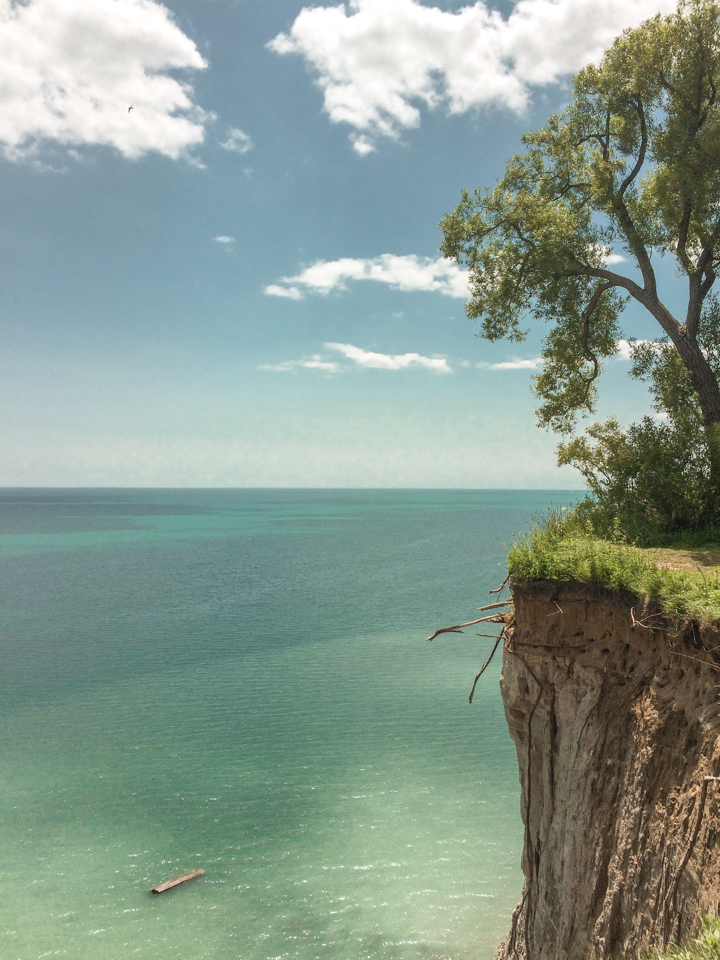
pixel 686 582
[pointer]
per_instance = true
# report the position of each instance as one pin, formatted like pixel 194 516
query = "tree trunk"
pixel 708 391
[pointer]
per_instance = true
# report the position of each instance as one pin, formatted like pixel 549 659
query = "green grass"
pixel 707 947
pixel 686 583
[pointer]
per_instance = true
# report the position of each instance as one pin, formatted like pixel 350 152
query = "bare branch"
pixel 458 626
pixel 501 587
pixel 486 664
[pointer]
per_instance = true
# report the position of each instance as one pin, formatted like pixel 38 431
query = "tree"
pixel 632 163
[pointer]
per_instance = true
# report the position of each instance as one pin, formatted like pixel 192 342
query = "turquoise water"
pixel 238 681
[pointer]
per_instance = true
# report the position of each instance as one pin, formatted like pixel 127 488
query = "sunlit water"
pixel 238 681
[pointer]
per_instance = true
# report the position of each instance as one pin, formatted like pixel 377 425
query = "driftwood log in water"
pixel 176 881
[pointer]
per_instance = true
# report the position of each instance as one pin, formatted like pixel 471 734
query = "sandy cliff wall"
pixel 616 725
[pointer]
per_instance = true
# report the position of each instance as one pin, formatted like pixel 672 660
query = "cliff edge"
pixel 615 719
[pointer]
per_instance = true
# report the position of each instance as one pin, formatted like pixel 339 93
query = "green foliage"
pixel 568 548
pixel 656 477
pixel 633 163
pixel 707 947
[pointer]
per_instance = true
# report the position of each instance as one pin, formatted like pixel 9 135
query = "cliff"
pixel 615 719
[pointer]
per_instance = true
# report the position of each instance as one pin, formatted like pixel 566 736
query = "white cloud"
pixel 408 273
pixel 360 358
pixel 386 361
pixel 512 364
pixel 378 60
pixel 237 141
pixel 70 70
pixel 314 363
pixel 224 239
pixel 292 293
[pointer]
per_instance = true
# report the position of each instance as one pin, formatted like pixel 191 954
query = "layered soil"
pixel 614 714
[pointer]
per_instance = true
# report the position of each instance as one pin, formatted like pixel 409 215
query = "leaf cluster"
pixel 656 477
pixel 632 164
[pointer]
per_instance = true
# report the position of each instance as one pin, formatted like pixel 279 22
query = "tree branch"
pixel 471 623
pixel 643 149
pixel 650 301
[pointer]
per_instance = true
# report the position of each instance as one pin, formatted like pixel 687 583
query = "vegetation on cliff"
pixel 683 580
pixel 706 947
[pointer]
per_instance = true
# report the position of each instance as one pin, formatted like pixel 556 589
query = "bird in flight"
pixel 130 107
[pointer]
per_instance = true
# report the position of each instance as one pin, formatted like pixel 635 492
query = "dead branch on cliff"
pixel 645 624
pixel 487 662
pixel 671 896
pixel 495 618
pixel 502 585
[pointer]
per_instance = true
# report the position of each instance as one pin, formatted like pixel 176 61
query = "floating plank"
pixel 162 887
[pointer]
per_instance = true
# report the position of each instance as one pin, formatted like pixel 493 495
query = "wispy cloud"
pixel 357 357
pixel 224 239
pixel 515 364
pixel 407 273
pixel 237 141
pixel 376 60
pixel 96 73
pixel 275 290
pixel 314 363
pixel 387 361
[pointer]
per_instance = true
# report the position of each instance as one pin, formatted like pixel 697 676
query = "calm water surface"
pixel 238 680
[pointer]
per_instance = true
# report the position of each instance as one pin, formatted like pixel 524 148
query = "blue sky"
pixel 235 283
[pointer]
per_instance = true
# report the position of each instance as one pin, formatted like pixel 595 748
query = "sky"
pixel 219 257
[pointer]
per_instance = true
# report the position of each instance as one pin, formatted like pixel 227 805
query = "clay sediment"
pixel 615 720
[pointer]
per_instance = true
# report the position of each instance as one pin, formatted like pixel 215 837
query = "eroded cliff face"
pixel 616 725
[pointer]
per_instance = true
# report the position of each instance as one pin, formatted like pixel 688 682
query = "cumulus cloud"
pixel 378 60
pixel 224 239
pixel 78 73
pixel 360 358
pixel 408 273
pixel 237 141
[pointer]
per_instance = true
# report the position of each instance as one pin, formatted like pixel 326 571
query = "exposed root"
pixel 502 585
pixel 487 662
pixel 457 628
